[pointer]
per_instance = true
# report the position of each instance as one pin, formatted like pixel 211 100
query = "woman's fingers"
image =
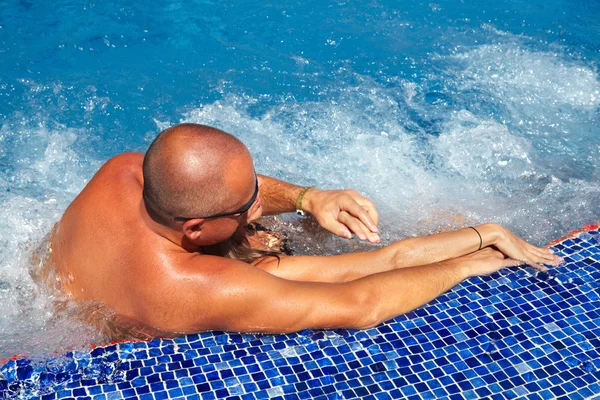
pixel 553 260
pixel 540 256
pixel 542 253
pixel 537 266
pixel 532 258
pixel 550 256
pixel 536 255
pixel 510 262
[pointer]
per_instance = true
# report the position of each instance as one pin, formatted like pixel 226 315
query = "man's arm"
pixel 405 253
pixel 234 296
pixel 341 212
pixel 277 196
pixel 210 292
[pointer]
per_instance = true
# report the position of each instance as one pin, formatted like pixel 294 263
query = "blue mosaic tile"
pixel 511 335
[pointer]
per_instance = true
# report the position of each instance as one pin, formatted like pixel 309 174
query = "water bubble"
pixel 489 347
pixel 529 377
pixel 435 7
pixel 572 361
pixel 577 281
pixel 547 276
pixel 332 335
pixel 288 352
pixel 304 340
pixel 588 366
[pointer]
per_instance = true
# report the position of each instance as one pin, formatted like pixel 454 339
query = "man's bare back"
pixel 112 248
pixel 102 244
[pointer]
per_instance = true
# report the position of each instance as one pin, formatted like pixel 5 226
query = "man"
pixel 144 237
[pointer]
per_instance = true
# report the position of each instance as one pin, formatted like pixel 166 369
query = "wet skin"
pixel 108 249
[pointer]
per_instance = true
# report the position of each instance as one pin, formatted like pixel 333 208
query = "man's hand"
pixel 522 252
pixel 486 261
pixel 343 212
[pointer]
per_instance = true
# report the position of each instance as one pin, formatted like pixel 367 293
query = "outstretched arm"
pixel 217 293
pixel 342 212
pixel 407 253
pixel 234 296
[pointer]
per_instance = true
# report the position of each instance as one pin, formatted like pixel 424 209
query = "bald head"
pixel 192 170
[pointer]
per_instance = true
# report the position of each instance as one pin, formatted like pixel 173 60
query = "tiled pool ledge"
pixel 508 336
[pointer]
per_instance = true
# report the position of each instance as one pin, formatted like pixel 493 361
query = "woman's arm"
pixel 444 246
pixel 408 253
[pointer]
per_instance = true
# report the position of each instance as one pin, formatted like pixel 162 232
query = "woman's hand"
pixel 522 252
pixel 485 262
pixel 343 212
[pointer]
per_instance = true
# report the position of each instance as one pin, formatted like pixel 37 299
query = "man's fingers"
pixel 510 262
pixel 357 211
pixel 356 226
pixel 339 229
pixel 539 267
pixel 371 210
pixel 372 236
pixel 353 224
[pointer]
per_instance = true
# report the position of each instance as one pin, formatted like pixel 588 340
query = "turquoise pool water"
pixel 445 113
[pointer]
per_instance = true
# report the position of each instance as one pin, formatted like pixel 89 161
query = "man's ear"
pixel 193 228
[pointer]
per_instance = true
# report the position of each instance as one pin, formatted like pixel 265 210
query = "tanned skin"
pixel 107 248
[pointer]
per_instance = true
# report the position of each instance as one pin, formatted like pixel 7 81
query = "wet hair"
pixel 238 247
pixel 184 172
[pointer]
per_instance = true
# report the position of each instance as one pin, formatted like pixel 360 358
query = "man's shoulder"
pixel 120 169
pixel 124 162
pixel 189 283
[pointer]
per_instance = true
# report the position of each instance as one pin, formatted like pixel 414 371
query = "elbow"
pixel 367 311
pixel 404 253
pixel 413 252
pixel 370 321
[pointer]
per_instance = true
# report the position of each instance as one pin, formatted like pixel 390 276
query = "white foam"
pixel 526 77
pixel 330 145
pixel 478 169
pixel 46 175
pixel 482 148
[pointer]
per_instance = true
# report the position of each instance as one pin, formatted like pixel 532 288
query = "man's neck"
pixel 175 237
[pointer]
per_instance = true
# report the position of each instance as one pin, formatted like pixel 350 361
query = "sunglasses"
pixel 241 210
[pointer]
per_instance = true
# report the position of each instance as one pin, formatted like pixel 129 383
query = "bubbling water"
pixel 44 173
pixel 474 169
pixel 499 132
